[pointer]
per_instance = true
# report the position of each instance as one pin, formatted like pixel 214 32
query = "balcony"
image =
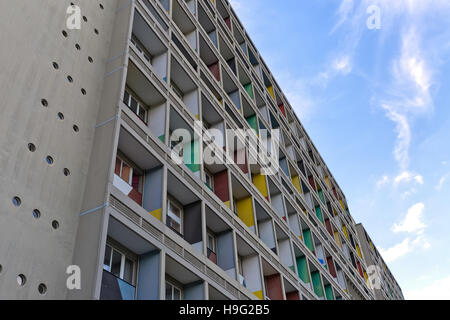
pixel 272 282
pixel 220 243
pixel 149 46
pixel 265 227
pixel 249 274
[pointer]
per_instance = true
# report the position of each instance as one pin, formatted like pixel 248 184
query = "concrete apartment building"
pixel 388 288
pixel 87 177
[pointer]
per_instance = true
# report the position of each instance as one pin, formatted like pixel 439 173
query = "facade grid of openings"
pixel 152 229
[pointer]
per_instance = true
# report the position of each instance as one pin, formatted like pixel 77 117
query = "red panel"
pixel 311 182
pixel 335 193
pixel 331 267
pixel 292 296
pixel 360 270
pixel 214 68
pixel 228 22
pixel 273 287
pixel 328 226
pixel 136 196
pixel 221 186
pixel 212 256
pixel 283 110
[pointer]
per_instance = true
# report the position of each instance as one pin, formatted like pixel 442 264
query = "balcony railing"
pixel 114 288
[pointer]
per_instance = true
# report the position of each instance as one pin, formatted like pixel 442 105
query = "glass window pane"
pixel 116 263
pixel 126 98
pixel 118 164
pixel 133 105
pixel 126 171
pixel 141 113
pixel 175 226
pixel 168 291
pixel 107 260
pixel 128 271
pixel 176 294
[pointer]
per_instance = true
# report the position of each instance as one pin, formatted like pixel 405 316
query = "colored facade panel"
pixel 221 186
pixel 253 123
pixel 215 70
pixel 274 289
pixel 260 183
pixel 249 89
pixel 317 283
pixel 245 211
pixel 296 183
pixel 308 239
pixel 329 292
pixel 319 214
pixel 331 267
pixel 302 267
pixel 328 226
pixel 320 192
pixel 191 156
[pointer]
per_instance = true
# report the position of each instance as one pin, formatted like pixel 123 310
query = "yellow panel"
pixel 371 244
pixel 296 183
pixel 259 294
pixel 335 213
pixel 228 204
pixel 344 228
pixel 337 238
pixel 245 211
pixel 157 214
pixel 342 204
pixel 366 277
pixel 327 180
pixel 260 183
pixel 270 89
pixel 359 251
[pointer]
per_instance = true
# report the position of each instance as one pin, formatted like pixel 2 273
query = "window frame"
pixel 173 287
pixel 180 220
pixel 123 258
pixel 139 105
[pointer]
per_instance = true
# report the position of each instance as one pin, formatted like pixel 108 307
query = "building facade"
pixel 384 285
pixel 88 133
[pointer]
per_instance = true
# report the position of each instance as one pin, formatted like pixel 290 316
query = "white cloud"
pixel 412 223
pixel 437 290
pixel 442 182
pixel 343 13
pixel 342 65
pixel 403 248
pixel 397 251
pixel 406 177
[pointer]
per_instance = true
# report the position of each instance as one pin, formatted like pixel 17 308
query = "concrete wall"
pixel 31 34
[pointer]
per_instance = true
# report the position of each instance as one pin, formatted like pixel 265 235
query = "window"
pixel 175 214
pixel 118 264
pixel 124 171
pixel 211 244
pixel 173 292
pixel 209 180
pixel 137 107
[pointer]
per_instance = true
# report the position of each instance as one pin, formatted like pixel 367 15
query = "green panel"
pixel 329 292
pixel 253 123
pixel 249 89
pixel 308 239
pixel 321 196
pixel 162 138
pixel 191 156
pixel 303 269
pixel 317 283
pixel 319 214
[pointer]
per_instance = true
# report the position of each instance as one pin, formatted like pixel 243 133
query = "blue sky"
pixel 376 103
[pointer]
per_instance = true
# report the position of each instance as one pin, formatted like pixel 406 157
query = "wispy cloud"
pixel 442 182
